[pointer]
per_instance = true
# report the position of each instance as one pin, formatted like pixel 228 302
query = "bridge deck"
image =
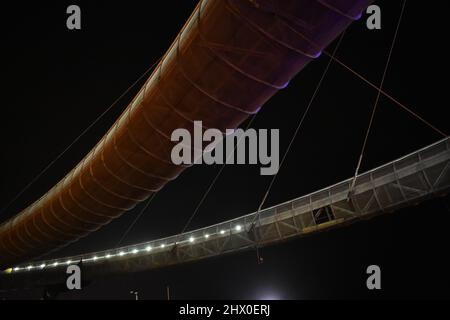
pixel 406 181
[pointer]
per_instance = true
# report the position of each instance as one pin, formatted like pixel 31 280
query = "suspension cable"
pixel 377 100
pixel 139 215
pixel 299 126
pixel 387 95
pixel 83 133
pixel 213 182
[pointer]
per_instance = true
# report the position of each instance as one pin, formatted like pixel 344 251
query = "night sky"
pixel 55 82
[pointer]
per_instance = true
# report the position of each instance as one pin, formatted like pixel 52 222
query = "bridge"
pixel 210 58
pixel 407 181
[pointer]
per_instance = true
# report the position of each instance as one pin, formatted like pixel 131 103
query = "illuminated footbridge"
pixel 229 59
pixel 407 181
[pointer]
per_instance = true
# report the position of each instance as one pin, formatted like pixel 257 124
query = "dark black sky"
pixel 55 82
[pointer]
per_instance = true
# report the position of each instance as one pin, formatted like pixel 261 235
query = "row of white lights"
pixel 109 256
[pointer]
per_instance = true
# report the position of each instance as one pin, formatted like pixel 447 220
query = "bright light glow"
pixel 55 264
pixel 148 249
pixel 222 231
pixel 135 251
pixel 163 246
pixel 108 256
pixel 95 258
pixel 30 267
pixel 191 239
pixel 121 253
pixel 69 262
pixel 206 236
pixel 16 269
pixel 238 228
pixel 43 266
pixel 269 296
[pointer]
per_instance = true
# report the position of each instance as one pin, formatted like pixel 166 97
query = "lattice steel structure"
pixel 407 181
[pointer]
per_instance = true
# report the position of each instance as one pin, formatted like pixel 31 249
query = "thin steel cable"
pixel 213 182
pixel 377 100
pixel 37 177
pixel 133 223
pixel 387 95
pixel 299 126
pixel 302 120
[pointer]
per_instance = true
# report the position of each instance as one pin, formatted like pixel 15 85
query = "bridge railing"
pixel 408 179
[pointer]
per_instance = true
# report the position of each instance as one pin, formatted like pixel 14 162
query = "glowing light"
pixel 55 264
pixel 163 246
pixel 69 262
pixel 135 251
pixel 238 228
pixel 121 253
pixel 43 266
pixel 191 239
pixel 148 249
pixel 16 269
pixel 30 267
pixel 269 296
pixel 222 231
pixel 95 258
pixel 108 256
pixel 206 236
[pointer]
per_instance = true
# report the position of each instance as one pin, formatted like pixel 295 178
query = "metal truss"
pixel 404 182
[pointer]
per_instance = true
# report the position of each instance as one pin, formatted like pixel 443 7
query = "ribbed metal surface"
pixel 228 60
